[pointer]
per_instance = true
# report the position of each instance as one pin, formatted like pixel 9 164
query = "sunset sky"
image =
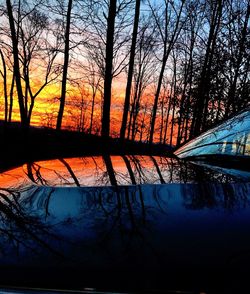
pixel 189 65
pixel 47 103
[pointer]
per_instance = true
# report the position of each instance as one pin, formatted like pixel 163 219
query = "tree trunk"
pixel 11 98
pixel 65 68
pixel 157 94
pixel 130 70
pixel 174 102
pixel 16 67
pixel 242 42
pixel 184 111
pixel 4 75
pixel 167 49
pixel 203 88
pixel 108 69
pixel 94 91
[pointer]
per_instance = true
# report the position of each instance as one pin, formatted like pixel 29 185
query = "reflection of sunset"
pixel 91 171
pixel 13 178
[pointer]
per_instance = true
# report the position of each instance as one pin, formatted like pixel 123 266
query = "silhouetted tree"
pixel 202 96
pixel 108 68
pixel 143 72
pixel 130 70
pixel 241 46
pixel 65 66
pixel 28 33
pixel 169 35
pixel 16 66
pixel 4 76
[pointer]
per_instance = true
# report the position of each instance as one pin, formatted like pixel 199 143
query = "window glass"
pixel 229 138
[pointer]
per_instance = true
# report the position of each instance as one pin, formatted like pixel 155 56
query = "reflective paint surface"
pixel 186 229
pixel 116 170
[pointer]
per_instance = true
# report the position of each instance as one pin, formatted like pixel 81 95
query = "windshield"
pixel 229 138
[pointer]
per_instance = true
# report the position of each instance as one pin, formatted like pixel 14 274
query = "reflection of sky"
pixel 127 170
pixel 13 178
pixel 92 171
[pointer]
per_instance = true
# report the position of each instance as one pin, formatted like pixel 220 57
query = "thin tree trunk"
pixel 132 112
pixel 157 98
pixel 162 118
pixel 93 107
pixel 187 81
pixel 166 53
pixel 174 102
pixel 4 75
pixel 168 111
pixel 65 67
pixel 232 90
pixel 11 98
pixel 203 88
pixel 143 123
pixel 130 70
pixel 16 67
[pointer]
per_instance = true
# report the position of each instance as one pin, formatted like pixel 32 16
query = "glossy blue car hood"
pixel 188 230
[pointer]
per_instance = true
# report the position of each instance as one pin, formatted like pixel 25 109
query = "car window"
pixel 229 138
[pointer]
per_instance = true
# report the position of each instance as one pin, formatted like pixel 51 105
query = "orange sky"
pixel 47 105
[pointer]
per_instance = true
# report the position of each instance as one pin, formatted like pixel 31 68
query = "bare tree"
pixel 169 35
pixel 16 66
pixel 200 108
pixel 4 76
pixel 29 34
pixel 232 98
pixel 108 51
pixel 130 70
pixel 195 16
pixel 108 68
pixel 143 72
pixel 65 66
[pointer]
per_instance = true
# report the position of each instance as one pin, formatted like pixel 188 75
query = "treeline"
pixel 178 67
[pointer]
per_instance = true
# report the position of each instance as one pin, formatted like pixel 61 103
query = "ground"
pixel 18 147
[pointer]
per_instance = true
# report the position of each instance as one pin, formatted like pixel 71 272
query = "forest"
pixel 141 70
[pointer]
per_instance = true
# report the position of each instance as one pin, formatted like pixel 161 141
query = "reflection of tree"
pixel 38 174
pixel 110 169
pixel 212 195
pixel 128 216
pixel 139 169
pixel 34 173
pixel 121 170
pixel 129 168
pixel 71 172
pixel 19 227
pixel 111 224
pixel 158 170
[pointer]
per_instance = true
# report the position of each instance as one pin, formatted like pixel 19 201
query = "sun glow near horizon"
pixel 78 106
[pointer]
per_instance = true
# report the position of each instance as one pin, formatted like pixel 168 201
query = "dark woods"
pixel 152 71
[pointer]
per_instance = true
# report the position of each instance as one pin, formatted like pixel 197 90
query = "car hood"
pixel 157 236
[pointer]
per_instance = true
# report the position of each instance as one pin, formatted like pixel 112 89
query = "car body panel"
pixel 136 224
